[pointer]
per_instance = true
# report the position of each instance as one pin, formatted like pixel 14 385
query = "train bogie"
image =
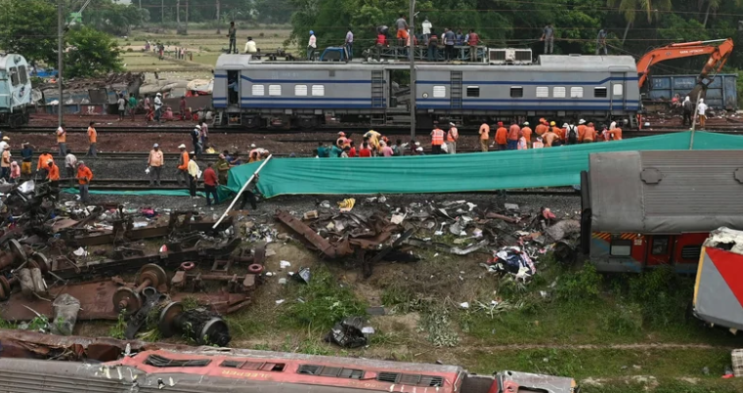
pixel 15 90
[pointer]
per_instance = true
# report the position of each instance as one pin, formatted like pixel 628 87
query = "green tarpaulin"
pixel 133 192
pixel 559 166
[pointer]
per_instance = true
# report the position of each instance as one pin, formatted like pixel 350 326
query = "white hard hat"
pixel 155 145
pixel 182 146
pixel 581 121
pixel 198 126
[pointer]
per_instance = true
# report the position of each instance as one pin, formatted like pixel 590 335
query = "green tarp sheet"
pixel 559 166
pixel 134 192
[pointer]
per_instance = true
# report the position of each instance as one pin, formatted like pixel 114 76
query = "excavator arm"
pixel 718 56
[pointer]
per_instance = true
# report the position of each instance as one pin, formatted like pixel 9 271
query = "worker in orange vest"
pixel 590 134
pixel 53 171
pixel 437 139
pixel 616 133
pixel 84 176
pixel 62 140
pixel 183 166
pixel 559 132
pixel 484 137
pixel 92 139
pixel 43 160
pixel 451 138
pixel 581 130
pixel 542 127
pixel 526 133
pixel 514 133
pixel 501 136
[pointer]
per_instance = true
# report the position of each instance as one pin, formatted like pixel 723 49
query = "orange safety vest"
pixel 437 137
pixel 452 135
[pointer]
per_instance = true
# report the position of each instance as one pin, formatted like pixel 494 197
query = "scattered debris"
pixel 351 332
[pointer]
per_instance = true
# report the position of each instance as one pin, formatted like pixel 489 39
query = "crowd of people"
pixel 517 136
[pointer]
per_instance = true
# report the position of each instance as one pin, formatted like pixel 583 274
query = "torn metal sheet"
pixel 470 249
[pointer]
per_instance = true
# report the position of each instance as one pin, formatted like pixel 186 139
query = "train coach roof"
pixel 571 62
pixel 11 60
pixel 666 191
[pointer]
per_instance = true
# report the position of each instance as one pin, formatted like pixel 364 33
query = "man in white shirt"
pixel 702 111
pixel 426 30
pixel 311 46
pixel 70 164
pixel 158 106
pixel 250 46
pixel 349 43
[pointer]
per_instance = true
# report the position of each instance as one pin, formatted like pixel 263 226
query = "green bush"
pixel 323 302
pixel 663 296
pixel 622 320
pixel 581 286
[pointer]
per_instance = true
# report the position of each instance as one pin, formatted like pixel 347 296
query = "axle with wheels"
pixel 129 299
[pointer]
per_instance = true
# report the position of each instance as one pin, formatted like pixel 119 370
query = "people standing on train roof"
pixel 437 139
pixel 571 134
pixel 501 136
pixel 601 41
pixel 526 133
pixel 702 112
pixel 451 138
pixel 449 39
pixel 250 46
pixel 426 29
pixel 62 140
pixel 548 36
pixel 27 154
pixel 433 47
pixel 514 133
pixel 590 135
pixel 459 38
pixel 232 35
pixel 92 140
pixel 472 41
pixel 581 130
pixel 688 108
pixel 349 43
pixel 484 137
pixel 311 46
pixel 380 43
pixel 402 30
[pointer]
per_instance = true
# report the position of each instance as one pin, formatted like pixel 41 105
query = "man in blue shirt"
pixel 322 151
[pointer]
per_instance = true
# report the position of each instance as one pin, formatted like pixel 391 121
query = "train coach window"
pixel 258 90
pixel 576 92
pixel 599 92
pixel 300 90
pixel 274 90
pixel 517 91
pixel 335 372
pixel 660 245
pixel 543 92
pixel 24 74
pixel 617 89
pixel 318 90
pixel 439 92
pixel 14 76
pixel 621 247
pixel 691 252
pixel 473 91
pixel 558 92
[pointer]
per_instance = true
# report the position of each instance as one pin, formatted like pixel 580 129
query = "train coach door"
pixel 233 88
pixel 617 88
pixel 659 250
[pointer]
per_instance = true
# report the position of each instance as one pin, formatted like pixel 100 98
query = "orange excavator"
pixel 718 56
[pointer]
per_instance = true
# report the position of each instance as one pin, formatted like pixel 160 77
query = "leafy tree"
pixel 29 27
pixel 90 52
pixel 629 8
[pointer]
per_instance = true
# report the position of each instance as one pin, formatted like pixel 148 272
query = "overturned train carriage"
pixel 256 93
pixel 15 90
pixel 652 208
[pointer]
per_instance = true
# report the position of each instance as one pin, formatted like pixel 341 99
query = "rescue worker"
pixel 484 137
pixel 550 137
pixel 616 133
pixel 571 134
pixel 555 129
pixel 437 139
pixel 526 133
pixel 26 157
pixel 183 165
pixel 155 162
pixel 43 161
pixel 501 136
pixel 451 138
pixel 53 177
pixel 688 108
pixel 196 140
pixel 84 176
pixel 542 127
pixel 249 194
pixel 514 133
pixel 4 142
pixel 590 134
pixel 193 175
pixel 92 139
pixel 5 163
pixel 210 184
pixel 62 140
pixel 223 168
pixel 581 130
pixel 701 111
pixel 158 106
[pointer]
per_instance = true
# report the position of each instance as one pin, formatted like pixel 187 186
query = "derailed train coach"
pixel 646 209
pixel 260 93
pixel 15 90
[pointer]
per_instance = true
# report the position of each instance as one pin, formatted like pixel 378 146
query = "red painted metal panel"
pixel 730 266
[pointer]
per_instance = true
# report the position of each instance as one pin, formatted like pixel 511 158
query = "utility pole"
pixel 140 4
pixel 219 31
pixel 178 13
pixel 186 29
pixel 412 69
pixel 162 11
pixel 60 56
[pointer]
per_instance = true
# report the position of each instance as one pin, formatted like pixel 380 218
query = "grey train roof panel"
pixel 666 191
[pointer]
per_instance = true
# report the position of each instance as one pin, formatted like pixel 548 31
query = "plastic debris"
pixel 349 333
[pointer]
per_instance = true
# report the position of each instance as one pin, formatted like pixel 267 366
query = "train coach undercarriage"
pixel 14 119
